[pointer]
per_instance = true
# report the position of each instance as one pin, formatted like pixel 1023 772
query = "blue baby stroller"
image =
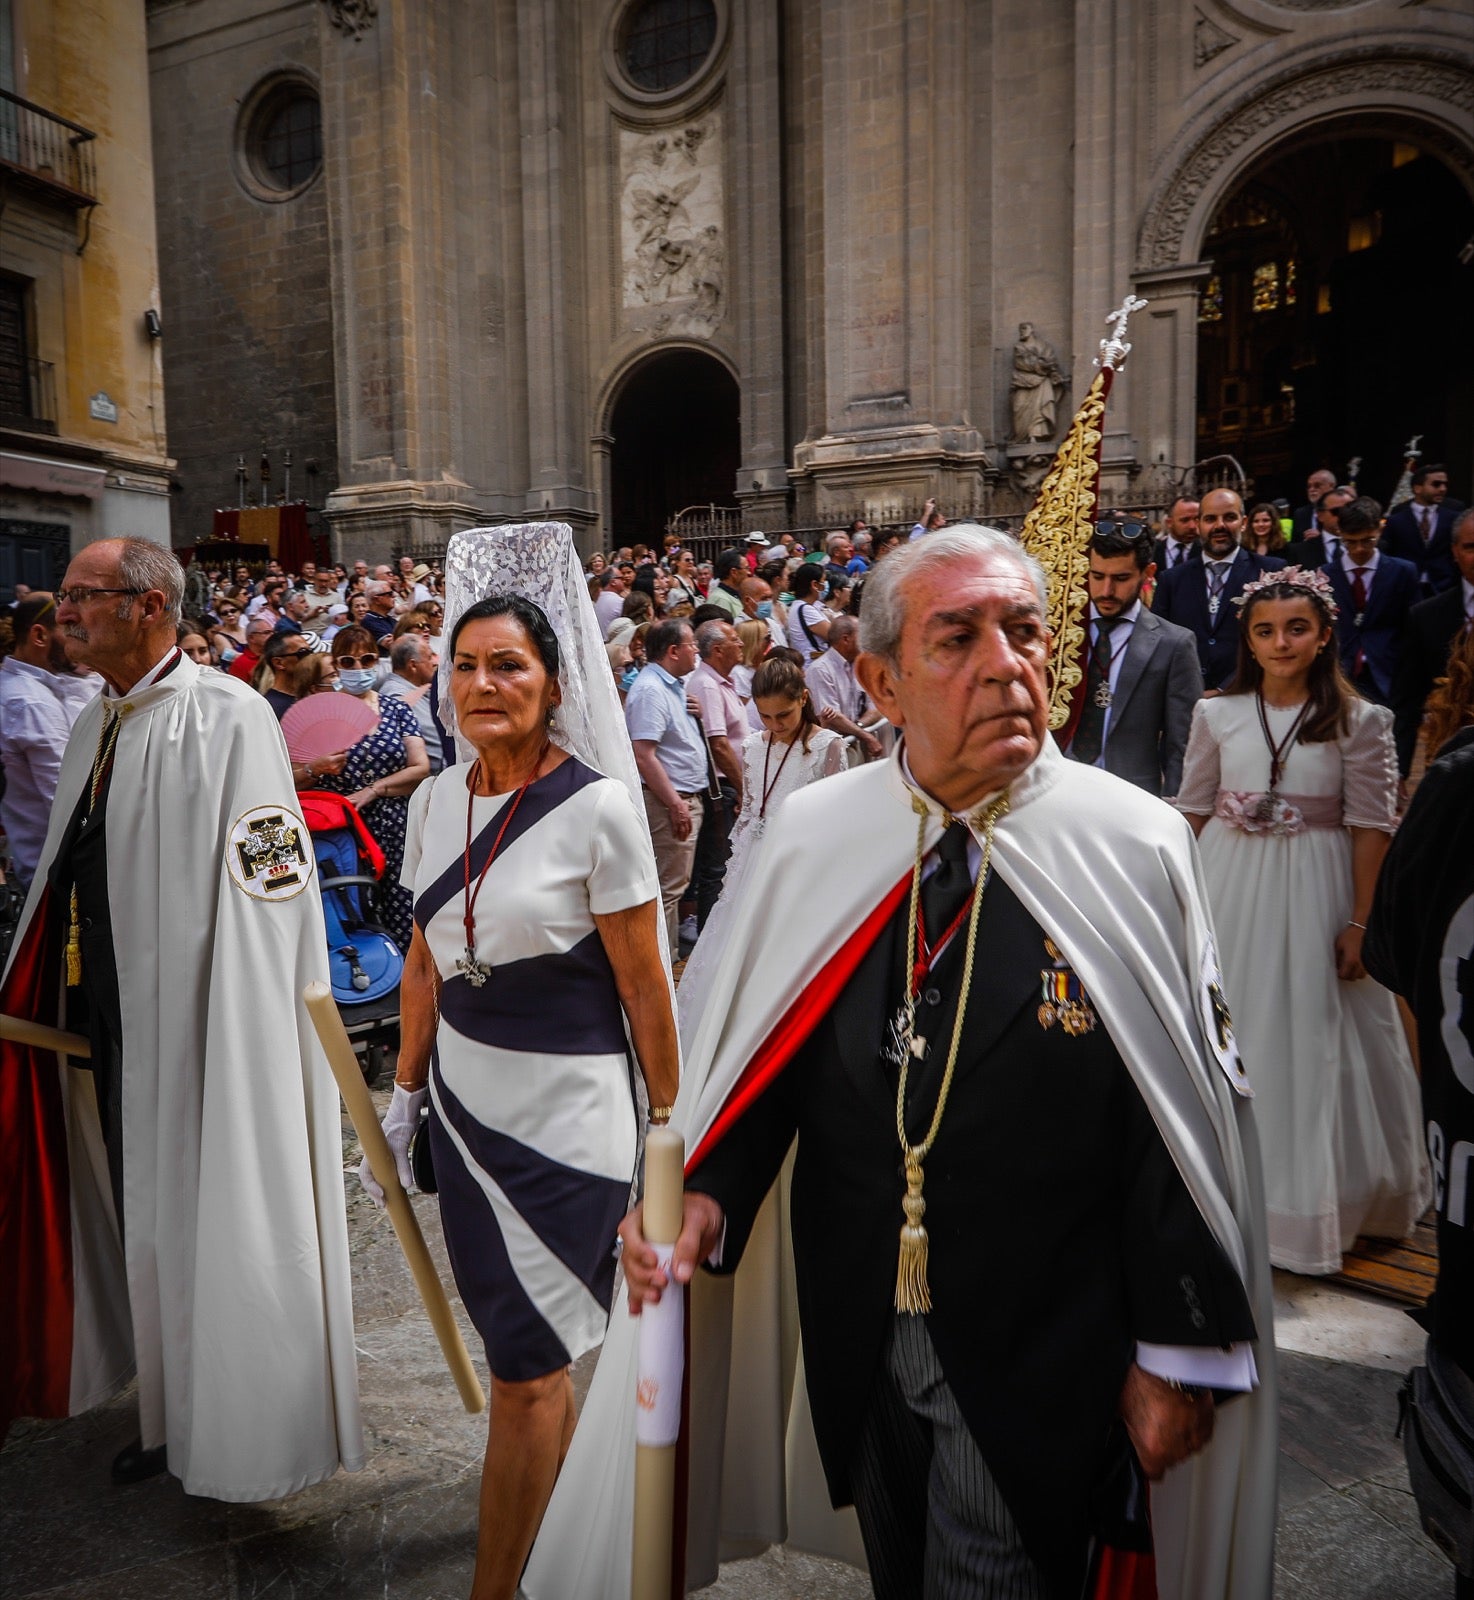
pixel 364 963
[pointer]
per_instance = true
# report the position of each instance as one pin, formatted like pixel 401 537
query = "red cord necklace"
pixel 477 972
pixel 927 954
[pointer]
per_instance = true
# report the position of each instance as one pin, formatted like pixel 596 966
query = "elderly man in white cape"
pixel 175 1205
pixel 1092 1306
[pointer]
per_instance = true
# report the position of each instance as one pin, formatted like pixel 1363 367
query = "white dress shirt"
pixel 35 724
pixel 832 682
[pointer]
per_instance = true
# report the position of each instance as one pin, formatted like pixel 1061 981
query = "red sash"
pixel 35 1198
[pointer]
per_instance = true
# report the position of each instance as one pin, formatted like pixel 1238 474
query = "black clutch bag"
pixel 421 1162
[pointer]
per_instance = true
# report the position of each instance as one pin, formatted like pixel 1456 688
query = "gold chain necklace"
pixel 912 1292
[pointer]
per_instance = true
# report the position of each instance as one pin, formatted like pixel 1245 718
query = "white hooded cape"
pixel 1112 876
pixel 232 1299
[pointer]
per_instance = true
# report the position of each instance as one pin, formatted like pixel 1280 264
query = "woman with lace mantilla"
pixel 536 912
pixel 1290 782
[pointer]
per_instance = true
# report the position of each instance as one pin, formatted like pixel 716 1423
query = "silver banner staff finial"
pixel 1113 351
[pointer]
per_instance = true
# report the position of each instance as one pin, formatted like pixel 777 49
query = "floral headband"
pixel 1301 580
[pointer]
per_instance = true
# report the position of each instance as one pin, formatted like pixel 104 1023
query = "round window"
pixel 665 42
pixel 284 140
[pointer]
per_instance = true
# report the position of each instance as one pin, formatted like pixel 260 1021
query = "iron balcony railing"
pixel 47 150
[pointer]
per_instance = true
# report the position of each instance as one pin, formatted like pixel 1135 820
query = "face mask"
pixel 764 610
pixel 823 591
pixel 356 680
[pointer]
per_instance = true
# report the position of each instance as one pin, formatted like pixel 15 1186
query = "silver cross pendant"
pixel 1103 696
pixel 473 971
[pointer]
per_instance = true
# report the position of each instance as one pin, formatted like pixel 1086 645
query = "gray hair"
pixel 375 587
pixel 884 612
pixel 144 565
pixel 404 650
pixel 841 627
pixel 709 635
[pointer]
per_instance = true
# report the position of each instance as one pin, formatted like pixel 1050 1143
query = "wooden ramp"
pixel 1403 1271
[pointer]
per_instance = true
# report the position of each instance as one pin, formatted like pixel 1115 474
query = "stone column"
pixel 756 207
pixel 394 284
pixel 1163 368
pixel 1105 120
pixel 553 271
pixel 887 408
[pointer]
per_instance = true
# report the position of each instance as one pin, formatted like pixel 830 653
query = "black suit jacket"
pixel 1152 709
pixel 1402 537
pixel 1159 554
pixel 1060 1229
pixel 1181 596
pixel 1311 552
pixel 1422 658
pixel 1378 636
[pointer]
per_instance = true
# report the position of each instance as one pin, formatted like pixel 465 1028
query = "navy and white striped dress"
pixel 532 1121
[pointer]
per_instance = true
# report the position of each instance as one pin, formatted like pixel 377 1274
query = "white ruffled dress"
pixel 1337 1101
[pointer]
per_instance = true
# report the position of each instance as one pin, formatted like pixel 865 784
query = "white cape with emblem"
pixel 1112 875
pixel 230 1295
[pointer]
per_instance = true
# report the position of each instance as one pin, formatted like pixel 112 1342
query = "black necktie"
pixel 945 892
pixel 1090 730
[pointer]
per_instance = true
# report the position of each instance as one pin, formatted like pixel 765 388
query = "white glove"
pixel 400 1122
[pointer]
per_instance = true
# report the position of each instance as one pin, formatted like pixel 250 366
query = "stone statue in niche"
pixel 672 229
pixel 1035 387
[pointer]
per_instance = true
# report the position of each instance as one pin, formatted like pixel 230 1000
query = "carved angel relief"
pixel 672 229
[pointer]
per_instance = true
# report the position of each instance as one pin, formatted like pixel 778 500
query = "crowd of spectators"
pixel 686 636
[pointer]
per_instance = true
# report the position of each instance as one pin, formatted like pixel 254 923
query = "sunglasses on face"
pixel 355 661
pixel 293 655
pixel 230 611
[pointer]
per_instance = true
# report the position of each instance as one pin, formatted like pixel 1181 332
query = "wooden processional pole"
pixel 661 1371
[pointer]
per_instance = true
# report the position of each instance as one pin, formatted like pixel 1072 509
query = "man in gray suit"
pixel 1142 677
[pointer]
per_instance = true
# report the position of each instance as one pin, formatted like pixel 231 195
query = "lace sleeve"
pixel 1198 791
pixel 832 757
pixel 1369 770
pixel 752 784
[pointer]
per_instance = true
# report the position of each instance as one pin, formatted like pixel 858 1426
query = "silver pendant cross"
pixel 473 971
pixel 1103 696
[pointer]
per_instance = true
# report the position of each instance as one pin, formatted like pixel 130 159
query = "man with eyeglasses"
pixel 258 631
pixel 172 1205
pixel 285 653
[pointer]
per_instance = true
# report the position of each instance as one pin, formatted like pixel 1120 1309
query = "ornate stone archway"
pixel 1422 94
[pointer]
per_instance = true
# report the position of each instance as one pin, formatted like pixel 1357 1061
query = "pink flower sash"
pixel 1278 814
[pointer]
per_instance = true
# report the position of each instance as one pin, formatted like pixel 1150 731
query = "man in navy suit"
pixel 1374 593
pixel 1198 595
pixel 1322 542
pixel 1420 530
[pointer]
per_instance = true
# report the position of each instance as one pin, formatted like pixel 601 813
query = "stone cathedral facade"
pixel 474 260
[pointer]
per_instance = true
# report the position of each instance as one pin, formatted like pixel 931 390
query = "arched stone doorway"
pixel 675 431
pixel 1335 303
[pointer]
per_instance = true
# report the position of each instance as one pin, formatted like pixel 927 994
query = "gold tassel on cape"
pixel 912 1293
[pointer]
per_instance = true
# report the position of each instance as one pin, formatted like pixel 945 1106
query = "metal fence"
pixel 707 530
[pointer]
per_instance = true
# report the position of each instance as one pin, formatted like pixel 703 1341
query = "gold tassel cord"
pixel 913 1294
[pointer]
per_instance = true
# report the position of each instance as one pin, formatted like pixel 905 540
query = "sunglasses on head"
pixel 355 661
pixel 1127 530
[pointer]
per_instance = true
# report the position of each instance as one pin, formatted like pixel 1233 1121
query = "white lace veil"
pixel 537 560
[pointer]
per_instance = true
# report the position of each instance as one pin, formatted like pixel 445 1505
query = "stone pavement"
pixel 404 1528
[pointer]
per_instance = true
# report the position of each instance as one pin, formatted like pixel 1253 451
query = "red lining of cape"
pixel 35 1192
pixel 798 1022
